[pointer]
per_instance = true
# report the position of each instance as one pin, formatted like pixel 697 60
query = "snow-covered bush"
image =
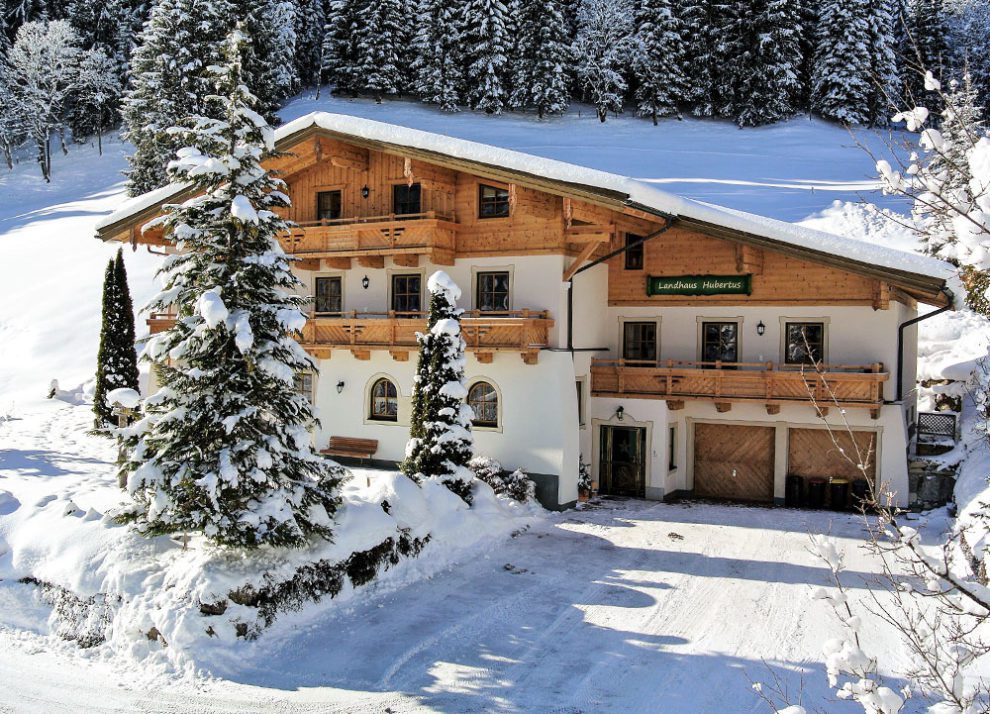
pixel 516 484
pixel 584 476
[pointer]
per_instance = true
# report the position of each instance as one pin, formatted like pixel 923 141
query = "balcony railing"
pixel 727 382
pixel 428 233
pixel 525 332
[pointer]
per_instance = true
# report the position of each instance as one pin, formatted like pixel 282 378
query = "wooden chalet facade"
pixel 669 343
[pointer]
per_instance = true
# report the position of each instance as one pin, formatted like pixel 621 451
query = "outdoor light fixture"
pixel 365 191
pixel 365 282
pixel 760 328
pixel 340 386
pixel 620 412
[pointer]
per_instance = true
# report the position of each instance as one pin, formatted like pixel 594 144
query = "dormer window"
pixel 328 205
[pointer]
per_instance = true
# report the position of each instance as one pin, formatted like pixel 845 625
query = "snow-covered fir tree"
pixel 841 82
pixel 340 45
pixel 807 13
pixel 311 20
pixel 884 77
pixel 269 61
pixel 44 64
pixel 926 49
pixel 541 58
pixel 440 441
pixel 969 40
pixel 381 40
pixel 11 125
pixel 657 60
pixel 224 447
pixel 485 43
pixel 436 65
pixel 97 95
pixel 171 82
pixel 107 24
pixel 601 52
pixel 698 39
pixel 116 360
pixel 728 47
pixel 765 76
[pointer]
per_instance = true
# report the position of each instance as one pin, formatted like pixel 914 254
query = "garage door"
pixel 734 462
pixel 812 452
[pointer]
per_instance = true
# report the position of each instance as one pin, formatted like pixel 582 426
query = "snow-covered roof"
pixel 628 191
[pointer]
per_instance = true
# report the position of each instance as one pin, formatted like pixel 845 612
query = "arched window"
pixel 384 401
pixel 483 399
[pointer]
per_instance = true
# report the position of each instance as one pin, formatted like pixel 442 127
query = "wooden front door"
pixel 622 467
pixel 733 462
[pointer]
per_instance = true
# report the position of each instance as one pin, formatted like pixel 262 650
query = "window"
pixel 328 296
pixel 634 256
pixel 639 342
pixel 406 199
pixel 406 293
pixel 493 291
pixel 493 202
pixel 719 342
pixel 579 385
pixel 328 205
pixel 303 384
pixel 384 401
pixel 804 342
pixel 672 448
pixel 483 400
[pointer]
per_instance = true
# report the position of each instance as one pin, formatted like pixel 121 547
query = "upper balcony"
pixel 523 332
pixel 371 238
pixel 725 383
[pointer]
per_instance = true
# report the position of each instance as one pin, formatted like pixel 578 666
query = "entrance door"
pixel 622 467
pixel 733 462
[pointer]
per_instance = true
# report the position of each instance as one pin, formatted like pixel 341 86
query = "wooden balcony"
pixel 524 332
pixel 725 383
pixel 371 238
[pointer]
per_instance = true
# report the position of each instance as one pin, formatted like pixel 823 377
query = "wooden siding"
pixel 734 462
pixel 813 453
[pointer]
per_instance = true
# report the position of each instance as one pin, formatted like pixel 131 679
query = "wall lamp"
pixel 365 282
pixel 620 412
pixel 340 386
pixel 365 191
pixel 760 328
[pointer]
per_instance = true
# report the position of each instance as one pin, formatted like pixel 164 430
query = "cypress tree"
pixel 657 60
pixel 436 66
pixel 116 360
pixel 440 441
pixel 224 447
pixel 541 57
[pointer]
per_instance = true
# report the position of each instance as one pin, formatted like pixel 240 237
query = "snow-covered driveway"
pixel 627 606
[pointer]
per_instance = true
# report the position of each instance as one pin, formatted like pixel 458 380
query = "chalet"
pixel 671 344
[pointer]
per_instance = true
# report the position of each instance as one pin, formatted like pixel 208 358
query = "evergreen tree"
pixel 541 58
pixel 116 361
pixel 884 77
pixel 699 32
pixel 486 43
pixel 601 51
pixel 969 40
pixel 224 448
pixel 807 13
pixel 269 61
pixel 436 65
pixel 11 124
pixel 841 82
pixel 311 20
pixel 171 83
pixel 926 45
pixel 340 45
pixel 440 441
pixel 657 60
pixel 381 39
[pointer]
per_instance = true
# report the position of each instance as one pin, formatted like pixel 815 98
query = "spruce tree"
pixel 657 60
pixel 884 79
pixel 541 58
pixel 926 46
pixel 601 53
pixel 224 447
pixel 269 61
pixel 171 83
pixel 340 45
pixel 486 43
pixel 382 37
pixel 440 441
pixel 807 13
pixel 436 66
pixel 841 82
pixel 698 38
pixel 311 19
pixel 116 360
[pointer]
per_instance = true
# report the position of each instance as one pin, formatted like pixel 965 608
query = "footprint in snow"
pixel 675 536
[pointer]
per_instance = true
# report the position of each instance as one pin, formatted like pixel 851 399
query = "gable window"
pixel 406 290
pixel 328 205
pixel 328 295
pixel 634 256
pixel 493 202
pixel 483 400
pixel 639 342
pixel 406 199
pixel 804 342
pixel 719 343
pixel 384 401
pixel 303 385
pixel 493 291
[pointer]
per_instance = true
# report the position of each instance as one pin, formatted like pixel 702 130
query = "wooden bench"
pixel 349 446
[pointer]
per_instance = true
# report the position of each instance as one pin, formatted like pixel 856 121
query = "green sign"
pixel 699 285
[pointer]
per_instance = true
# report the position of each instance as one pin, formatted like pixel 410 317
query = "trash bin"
pixel 815 497
pixel 794 491
pixel 860 492
pixel 839 494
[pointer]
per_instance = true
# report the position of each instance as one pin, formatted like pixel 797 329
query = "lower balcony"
pixel 726 383
pixel 524 332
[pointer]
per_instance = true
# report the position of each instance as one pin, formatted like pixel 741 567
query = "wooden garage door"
pixel 811 452
pixel 734 462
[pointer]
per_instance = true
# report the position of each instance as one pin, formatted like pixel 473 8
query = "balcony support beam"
pixel 406 260
pixel 371 261
pixel 773 409
pixel 337 263
pixel 399 355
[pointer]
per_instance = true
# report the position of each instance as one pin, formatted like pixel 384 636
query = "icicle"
pixel 407 171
